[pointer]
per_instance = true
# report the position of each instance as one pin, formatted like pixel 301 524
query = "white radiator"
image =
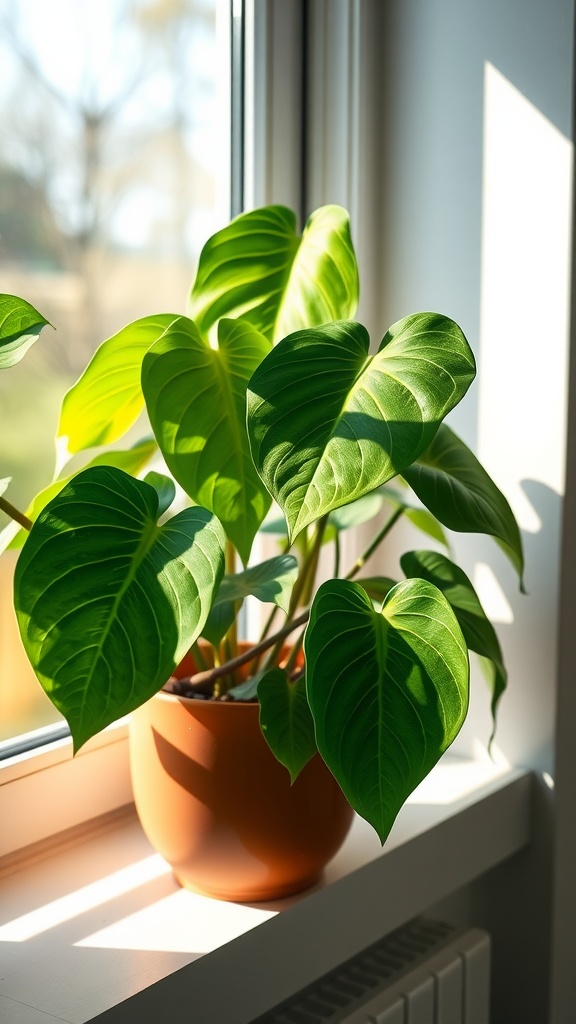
pixel 425 973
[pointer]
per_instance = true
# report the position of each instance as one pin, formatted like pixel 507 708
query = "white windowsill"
pixel 96 922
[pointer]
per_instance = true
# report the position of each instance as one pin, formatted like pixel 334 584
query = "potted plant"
pixel 265 404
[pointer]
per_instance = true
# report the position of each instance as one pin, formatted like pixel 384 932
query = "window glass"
pixel 113 171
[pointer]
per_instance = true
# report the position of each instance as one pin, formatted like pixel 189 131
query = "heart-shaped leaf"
pixel 107 399
pixel 450 481
pixel 20 326
pixel 108 602
pixel 388 690
pixel 270 581
pixel 286 721
pixel 328 422
pixel 132 460
pixel 477 629
pixel 196 400
pixel 259 269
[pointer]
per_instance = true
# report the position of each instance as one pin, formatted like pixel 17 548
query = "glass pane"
pixel 114 169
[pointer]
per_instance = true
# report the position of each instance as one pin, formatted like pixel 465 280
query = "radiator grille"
pixel 427 972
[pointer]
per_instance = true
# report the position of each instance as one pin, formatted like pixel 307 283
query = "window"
pixel 114 170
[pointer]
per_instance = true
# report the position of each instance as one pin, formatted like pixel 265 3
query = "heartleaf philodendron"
pixel 318 448
pixel 388 690
pixel 267 391
pixel 108 602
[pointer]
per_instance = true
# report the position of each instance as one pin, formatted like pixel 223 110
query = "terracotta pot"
pixel 216 804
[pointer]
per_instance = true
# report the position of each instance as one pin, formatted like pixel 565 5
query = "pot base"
pixel 217 805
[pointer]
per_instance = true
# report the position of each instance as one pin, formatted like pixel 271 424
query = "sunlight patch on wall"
pixel 525 295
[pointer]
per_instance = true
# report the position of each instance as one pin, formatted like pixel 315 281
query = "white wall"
pixel 473 114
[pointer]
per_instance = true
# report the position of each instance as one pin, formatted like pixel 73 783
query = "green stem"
pixel 15 514
pixel 360 562
pixel 303 585
pixel 203 680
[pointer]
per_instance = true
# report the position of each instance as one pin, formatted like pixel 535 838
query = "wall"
pixel 474 117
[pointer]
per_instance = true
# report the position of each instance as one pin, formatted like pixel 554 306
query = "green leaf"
pixel 329 423
pixel 388 690
pixel 360 511
pixel 259 269
pixel 165 489
pixel 20 326
pixel 451 482
pixel 108 602
pixel 477 629
pixel 377 587
pixel 286 721
pixel 424 521
pixel 196 400
pixel 107 399
pixel 132 460
pixel 218 622
pixel 270 581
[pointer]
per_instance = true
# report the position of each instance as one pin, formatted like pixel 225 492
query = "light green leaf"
pixel 5 483
pixel 132 460
pixel 259 269
pixel 329 423
pixel 270 581
pixel 424 521
pixel 388 690
pixel 450 481
pixel 108 602
pixel 477 629
pixel 196 400
pixel 20 326
pixel 286 721
pixel 107 399
pixel 360 511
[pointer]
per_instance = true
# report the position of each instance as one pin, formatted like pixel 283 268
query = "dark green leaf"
pixel 259 269
pixel 388 690
pixel 20 326
pixel 165 489
pixel 377 587
pixel 329 423
pixel 219 621
pixel 450 481
pixel 286 721
pixel 108 602
pixel 196 400
pixel 477 629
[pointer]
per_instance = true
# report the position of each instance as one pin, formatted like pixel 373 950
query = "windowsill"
pixel 97 922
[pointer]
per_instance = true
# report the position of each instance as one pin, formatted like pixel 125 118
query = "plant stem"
pixel 200 680
pixel 302 586
pixel 360 562
pixel 15 514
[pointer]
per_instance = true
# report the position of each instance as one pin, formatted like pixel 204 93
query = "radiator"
pixel 427 972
